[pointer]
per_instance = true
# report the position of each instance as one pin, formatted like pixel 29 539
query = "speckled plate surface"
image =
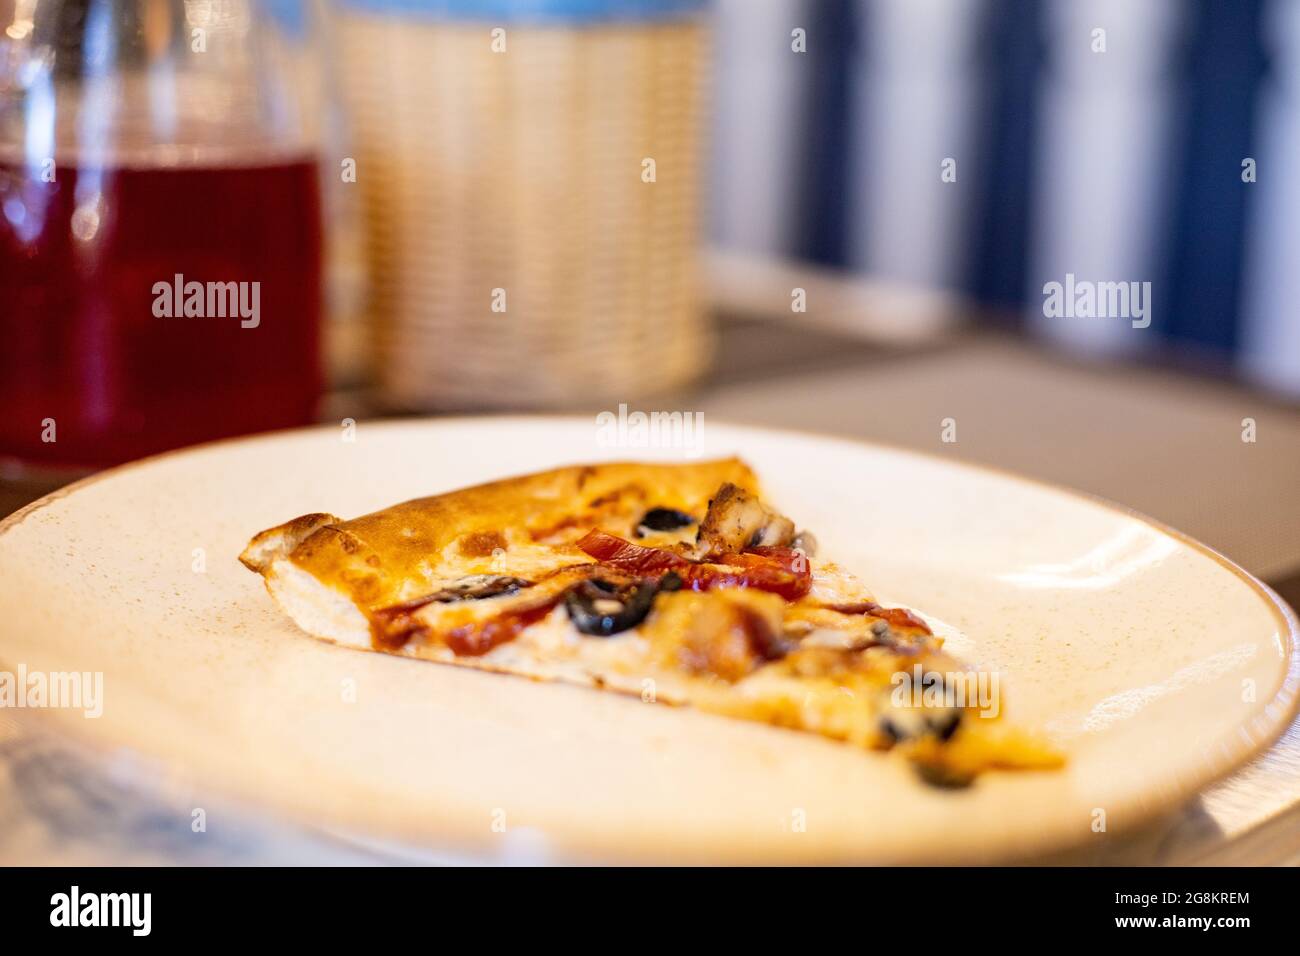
pixel 1156 664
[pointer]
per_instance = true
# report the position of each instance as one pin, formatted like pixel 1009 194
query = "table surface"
pixel 1162 442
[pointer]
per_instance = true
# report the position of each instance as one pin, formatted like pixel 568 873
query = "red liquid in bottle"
pixel 81 342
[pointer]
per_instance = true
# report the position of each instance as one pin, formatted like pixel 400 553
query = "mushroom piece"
pixel 806 542
pixel 475 587
pixel 737 520
pixel 724 634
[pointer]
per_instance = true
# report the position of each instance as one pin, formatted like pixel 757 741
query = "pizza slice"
pixel 674 582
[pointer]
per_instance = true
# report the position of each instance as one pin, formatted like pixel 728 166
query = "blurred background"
pixel 1111 140
pixel 1055 237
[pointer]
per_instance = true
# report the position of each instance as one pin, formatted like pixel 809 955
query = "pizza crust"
pixel 316 607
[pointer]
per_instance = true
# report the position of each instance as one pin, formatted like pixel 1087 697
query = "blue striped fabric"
pixel 1103 140
pixel 1012 49
pixel 1223 65
pixel 825 170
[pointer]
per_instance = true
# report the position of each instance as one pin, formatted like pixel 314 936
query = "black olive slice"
pixel 601 609
pixel 899 723
pixel 913 723
pixel 663 519
pixel 942 777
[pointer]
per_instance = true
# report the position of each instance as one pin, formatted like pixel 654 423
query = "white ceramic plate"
pixel 1157 664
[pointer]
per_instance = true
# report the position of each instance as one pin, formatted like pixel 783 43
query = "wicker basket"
pixel 522 171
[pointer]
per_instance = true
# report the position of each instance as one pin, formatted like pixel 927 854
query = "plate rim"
pixel 1223 760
